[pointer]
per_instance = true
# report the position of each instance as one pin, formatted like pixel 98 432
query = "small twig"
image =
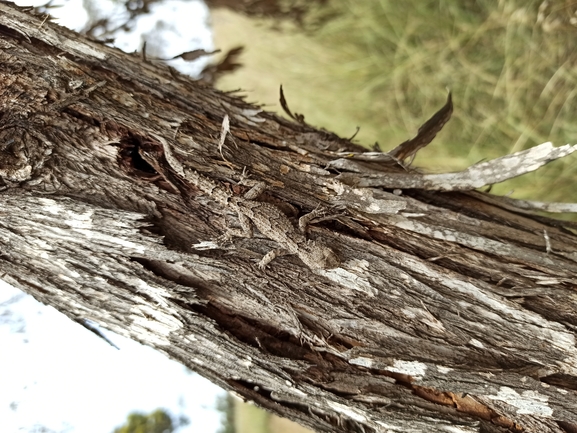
pixel 298 117
pixel 95 330
pixel 225 129
pixel 144 52
pixel 547 241
pixel 43 21
pixel 191 56
pixel 355 134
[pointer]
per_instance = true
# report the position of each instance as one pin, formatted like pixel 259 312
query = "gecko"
pixel 271 222
pixel 266 217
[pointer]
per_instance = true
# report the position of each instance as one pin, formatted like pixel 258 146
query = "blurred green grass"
pixel 251 419
pixel 385 66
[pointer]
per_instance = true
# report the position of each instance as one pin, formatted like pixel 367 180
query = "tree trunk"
pixel 451 310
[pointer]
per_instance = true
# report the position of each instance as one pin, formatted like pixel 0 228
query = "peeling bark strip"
pixel 476 176
pixel 449 311
pixel 426 133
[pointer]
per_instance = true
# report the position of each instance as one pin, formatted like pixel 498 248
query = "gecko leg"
pixel 306 219
pixel 270 256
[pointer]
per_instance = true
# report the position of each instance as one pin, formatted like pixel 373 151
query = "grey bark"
pixel 449 312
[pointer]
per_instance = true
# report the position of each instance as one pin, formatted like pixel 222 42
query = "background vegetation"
pixel 157 421
pixel 251 419
pixel 386 66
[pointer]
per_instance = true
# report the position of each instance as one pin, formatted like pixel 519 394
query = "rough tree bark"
pixel 451 310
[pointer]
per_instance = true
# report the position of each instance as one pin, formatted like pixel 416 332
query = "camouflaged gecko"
pixel 271 222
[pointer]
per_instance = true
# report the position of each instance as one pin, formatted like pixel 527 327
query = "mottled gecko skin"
pixel 274 224
pixel 270 221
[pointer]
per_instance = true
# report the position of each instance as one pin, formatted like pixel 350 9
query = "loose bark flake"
pixel 476 176
pixel 450 311
pixel 427 132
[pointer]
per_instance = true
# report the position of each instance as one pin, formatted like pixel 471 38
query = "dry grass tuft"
pixel 385 66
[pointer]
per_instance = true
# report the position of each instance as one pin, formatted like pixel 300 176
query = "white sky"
pixel 53 372
pixel 174 26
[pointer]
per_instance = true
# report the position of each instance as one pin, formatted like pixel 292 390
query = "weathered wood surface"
pixel 450 312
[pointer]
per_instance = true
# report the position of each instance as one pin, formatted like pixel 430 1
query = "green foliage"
pixel 225 405
pixel 155 422
pixel 511 66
